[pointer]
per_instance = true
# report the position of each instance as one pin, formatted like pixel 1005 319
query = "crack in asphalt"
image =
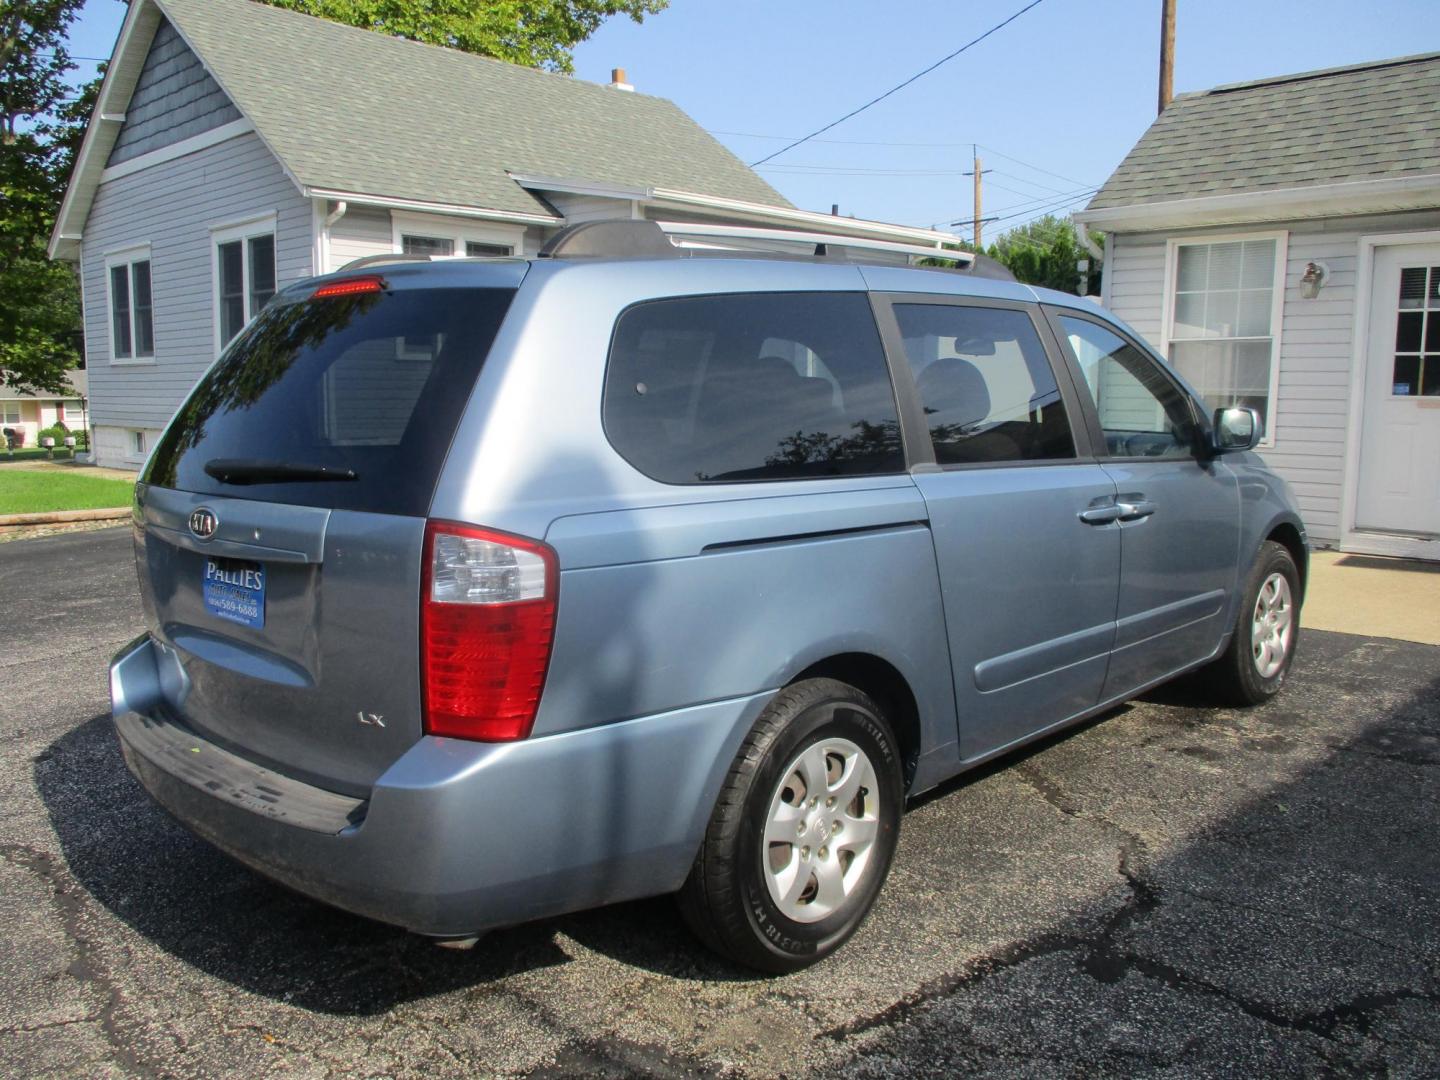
pixel 87 967
pixel 1100 957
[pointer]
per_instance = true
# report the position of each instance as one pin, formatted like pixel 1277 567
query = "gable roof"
pixel 350 110
pixel 76 379
pixel 1361 124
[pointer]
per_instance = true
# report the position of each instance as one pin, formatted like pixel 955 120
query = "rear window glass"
pixel 755 386
pixel 372 383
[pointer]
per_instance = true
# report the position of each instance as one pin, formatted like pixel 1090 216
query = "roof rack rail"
pixel 621 238
pixel 380 260
pixel 822 241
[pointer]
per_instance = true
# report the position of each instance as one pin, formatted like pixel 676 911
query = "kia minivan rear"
pixel 484 590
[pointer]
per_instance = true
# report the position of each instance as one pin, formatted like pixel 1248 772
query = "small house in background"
pixel 237 148
pixel 1279 240
pixel 29 414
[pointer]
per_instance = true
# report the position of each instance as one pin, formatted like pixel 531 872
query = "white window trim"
pixel 1277 305
pixel 228 232
pixel 456 230
pixel 150 440
pixel 128 256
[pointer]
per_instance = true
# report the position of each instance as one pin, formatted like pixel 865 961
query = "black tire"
pixel 1234 678
pixel 726 899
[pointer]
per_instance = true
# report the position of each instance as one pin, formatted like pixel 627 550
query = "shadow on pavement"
pixel 1298 928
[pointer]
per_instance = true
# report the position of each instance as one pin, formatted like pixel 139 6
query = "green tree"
pixel 1045 252
pixel 40 126
pixel 535 33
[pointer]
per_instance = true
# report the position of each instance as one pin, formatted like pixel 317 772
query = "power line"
pixel 1037 168
pixel 1036 207
pixel 1051 208
pixel 901 86
pixel 847 170
pixel 839 142
pixel 1032 183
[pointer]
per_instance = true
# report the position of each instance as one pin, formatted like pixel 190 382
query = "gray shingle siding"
pixel 173 207
pixel 1368 122
pixel 175 99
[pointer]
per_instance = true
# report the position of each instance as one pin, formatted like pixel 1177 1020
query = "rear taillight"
pixel 487 619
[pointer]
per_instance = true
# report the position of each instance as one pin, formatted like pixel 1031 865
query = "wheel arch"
pixel 1290 535
pixel 883 682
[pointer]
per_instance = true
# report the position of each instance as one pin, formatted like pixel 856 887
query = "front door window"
pixel 1141 411
pixel 1417 333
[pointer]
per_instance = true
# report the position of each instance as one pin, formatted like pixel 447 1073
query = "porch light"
pixel 1310 281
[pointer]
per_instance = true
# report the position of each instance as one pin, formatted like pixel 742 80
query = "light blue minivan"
pixel 479 591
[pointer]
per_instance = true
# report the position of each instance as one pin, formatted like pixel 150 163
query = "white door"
pixel 1399 489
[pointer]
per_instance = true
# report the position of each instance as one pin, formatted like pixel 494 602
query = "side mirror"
pixel 1237 428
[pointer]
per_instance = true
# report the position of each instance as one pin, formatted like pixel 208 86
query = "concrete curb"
pixel 57 517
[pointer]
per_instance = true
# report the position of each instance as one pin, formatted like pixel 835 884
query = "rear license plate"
pixel 235 590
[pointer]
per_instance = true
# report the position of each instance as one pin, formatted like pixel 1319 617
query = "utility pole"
pixel 978 219
pixel 1167 53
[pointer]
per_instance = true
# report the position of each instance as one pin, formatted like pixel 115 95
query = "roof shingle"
pixel 351 110
pixel 1364 122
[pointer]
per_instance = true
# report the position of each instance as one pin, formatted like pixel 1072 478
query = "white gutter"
pixel 1082 231
pixel 361 199
pixel 1315 200
pixel 335 215
pixel 573 186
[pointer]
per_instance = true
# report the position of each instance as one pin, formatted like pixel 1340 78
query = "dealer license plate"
pixel 235 589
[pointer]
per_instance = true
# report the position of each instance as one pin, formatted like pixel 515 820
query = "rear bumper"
pixel 456 836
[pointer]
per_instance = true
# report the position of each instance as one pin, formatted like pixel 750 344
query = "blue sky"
pixel 1055 99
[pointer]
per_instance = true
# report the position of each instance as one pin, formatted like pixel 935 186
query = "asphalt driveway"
pixel 1171 890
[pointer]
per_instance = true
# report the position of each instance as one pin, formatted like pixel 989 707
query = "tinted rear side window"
pixel 986 384
pixel 373 383
pixel 754 386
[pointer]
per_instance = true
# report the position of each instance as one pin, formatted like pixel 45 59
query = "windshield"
pixel 365 389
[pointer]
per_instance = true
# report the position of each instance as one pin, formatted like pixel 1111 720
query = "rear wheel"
pixel 804 831
pixel 1267 629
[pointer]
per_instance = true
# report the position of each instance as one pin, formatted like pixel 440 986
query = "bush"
pixel 57 432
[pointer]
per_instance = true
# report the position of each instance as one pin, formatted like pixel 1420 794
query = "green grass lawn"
pixel 25 492
pixel 34 453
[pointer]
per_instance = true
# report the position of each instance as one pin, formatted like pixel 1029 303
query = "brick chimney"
pixel 617 80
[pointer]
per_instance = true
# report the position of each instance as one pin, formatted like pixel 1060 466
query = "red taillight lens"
pixel 487 620
pixel 350 287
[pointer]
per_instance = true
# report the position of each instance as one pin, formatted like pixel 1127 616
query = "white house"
pixel 1279 240
pixel 237 148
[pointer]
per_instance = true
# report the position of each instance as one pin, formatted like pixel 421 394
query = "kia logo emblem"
pixel 203 522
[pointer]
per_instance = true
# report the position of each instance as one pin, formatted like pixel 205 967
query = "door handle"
pixel 1135 509
pixel 1101 515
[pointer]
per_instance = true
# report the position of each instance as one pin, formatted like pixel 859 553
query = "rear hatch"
pixel 281 518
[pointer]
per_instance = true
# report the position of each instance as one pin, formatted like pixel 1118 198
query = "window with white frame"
pixel 244 275
pixel 132 311
pixel 10 412
pixel 72 411
pixel 1224 318
pixel 442 238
